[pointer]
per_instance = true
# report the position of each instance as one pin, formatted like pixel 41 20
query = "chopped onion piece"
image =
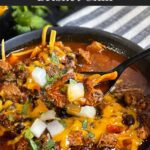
pixel 51 114
pixel 75 91
pixel 39 76
pixel 55 127
pixel 87 111
pixel 38 128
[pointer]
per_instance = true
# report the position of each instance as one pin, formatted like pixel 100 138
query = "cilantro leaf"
pixel 54 58
pixel 10 117
pixel 55 77
pixel 50 144
pixel 91 135
pixel 25 108
pixel 28 134
pixel 33 145
pixel 84 124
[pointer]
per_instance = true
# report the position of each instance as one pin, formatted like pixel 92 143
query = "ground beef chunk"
pixel 21 73
pixel 6 73
pixel 57 146
pixel 132 97
pixel 5 122
pixel 143 132
pixel 95 47
pixel 107 140
pixel 23 145
pixel 86 55
pixel 54 93
pixel 88 144
pixel 70 61
pixel 144 119
pixel 93 96
pixel 135 98
pixel 10 76
pixel 75 138
pixel 10 91
pixel 4 66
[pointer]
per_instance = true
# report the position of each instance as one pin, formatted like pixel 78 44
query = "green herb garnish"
pixel 25 108
pixel 55 77
pixel 10 117
pixel 33 145
pixel 84 124
pixel 21 67
pixel 54 58
pixel 28 134
pixel 91 135
pixel 50 145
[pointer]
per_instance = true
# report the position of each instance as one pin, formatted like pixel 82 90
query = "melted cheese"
pixel 40 108
pixel 112 114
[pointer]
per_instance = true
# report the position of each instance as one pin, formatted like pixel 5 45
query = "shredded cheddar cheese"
pixel 112 114
pixel 52 40
pixel 3 50
pixel 3 9
pixel 21 53
pixel 44 33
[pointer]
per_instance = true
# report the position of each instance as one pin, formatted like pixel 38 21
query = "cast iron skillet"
pixel 76 34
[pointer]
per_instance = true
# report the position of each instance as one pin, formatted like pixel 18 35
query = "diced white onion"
pixel 49 115
pixel 55 127
pixel 75 91
pixel 39 76
pixel 87 111
pixel 38 128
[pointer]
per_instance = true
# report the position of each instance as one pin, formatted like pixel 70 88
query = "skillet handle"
pixel 131 61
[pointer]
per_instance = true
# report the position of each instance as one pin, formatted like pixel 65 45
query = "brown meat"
pixel 107 140
pixel 4 66
pixel 77 142
pixel 5 122
pixel 6 73
pixel 70 61
pixel 51 70
pixel 75 138
pixel 143 132
pixel 86 55
pixel 54 93
pixel 23 144
pixel 132 96
pixel 144 115
pixel 57 146
pixel 11 92
pixel 95 47
pixel 93 96
pixel 21 72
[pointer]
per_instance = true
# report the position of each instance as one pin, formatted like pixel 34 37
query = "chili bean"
pixel 128 119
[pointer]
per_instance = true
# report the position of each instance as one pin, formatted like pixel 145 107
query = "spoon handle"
pixel 132 60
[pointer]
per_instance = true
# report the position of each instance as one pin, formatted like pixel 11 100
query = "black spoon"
pixel 120 68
